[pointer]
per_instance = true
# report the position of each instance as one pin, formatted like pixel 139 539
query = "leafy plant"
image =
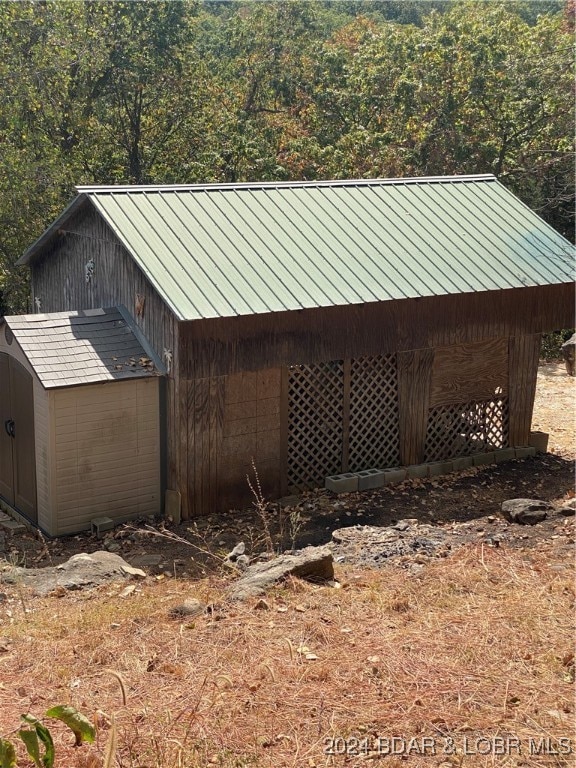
pixel 37 737
pixel 551 343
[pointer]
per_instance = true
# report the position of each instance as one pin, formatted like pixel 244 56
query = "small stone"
pixel 190 607
pixel 135 573
pixel 568 509
pixel 111 545
pixel 238 550
pixel 262 605
pixel 243 561
pixel 526 511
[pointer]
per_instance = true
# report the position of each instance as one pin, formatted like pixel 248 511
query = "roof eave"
pixel 50 233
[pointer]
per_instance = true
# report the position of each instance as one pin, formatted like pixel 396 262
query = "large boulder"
pixel 80 571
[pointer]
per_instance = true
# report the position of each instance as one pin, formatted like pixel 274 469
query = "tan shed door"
pixel 17 457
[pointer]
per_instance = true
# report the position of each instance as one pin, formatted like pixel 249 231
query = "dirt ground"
pixel 469 502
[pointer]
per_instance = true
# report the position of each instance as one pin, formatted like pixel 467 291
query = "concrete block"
pixel 393 476
pixel 99 524
pixel 539 441
pixel 346 483
pixel 524 452
pixel 504 454
pixel 436 468
pixel 482 459
pixel 370 478
pixel 417 470
pixel 462 462
pixel 12 526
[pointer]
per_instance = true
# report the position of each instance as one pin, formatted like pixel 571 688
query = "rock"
pixel 262 605
pixel 145 561
pixel 526 511
pixel 238 550
pixel 136 573
pixel 80 571
pixel 111 545
pixel 568 509
pixel 568 351
pixel 243 561
pixel 312 564
pixel 189 608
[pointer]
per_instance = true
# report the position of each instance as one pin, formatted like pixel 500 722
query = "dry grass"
pixel 555 408
pixel 479 644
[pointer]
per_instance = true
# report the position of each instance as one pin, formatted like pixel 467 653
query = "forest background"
pixel 201 92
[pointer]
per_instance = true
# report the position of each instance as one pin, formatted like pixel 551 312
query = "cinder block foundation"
pixel 462 462
pixel 436 468
pixel 370 478
pixel 539 441
pixel 524 452
pixel 504 454
pixel 394 476
pixel 482 459
pixel 346 483
pixel 417 470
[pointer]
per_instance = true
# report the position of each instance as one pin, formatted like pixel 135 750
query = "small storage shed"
pixel 80 434
pixel 316 328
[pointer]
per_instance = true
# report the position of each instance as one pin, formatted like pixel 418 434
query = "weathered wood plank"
pixel 524 352
pixel 283 467
pixel 200 418
pixel 216 421
pixel 312 336
pixel 414 379
pixel 347 379
pixel 185 393
pixel 467 372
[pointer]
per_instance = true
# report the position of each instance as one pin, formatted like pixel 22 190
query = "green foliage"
pixel 7 754
pixel 81 727
pixel 38 741
pixel 164 92
pixel 551 343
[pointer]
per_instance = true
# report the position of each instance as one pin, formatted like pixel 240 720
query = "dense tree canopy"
pixel 137 92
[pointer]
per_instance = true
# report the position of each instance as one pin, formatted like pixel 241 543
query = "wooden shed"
pixel 80 432
pixel 315 328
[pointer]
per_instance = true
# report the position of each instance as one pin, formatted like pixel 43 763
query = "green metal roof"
pixel 237 249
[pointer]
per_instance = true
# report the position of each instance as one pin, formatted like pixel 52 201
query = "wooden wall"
pixel 232 421
pixel 250 343
pixel 59 281
pixel 450 350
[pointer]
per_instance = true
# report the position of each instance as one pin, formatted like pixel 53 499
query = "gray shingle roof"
pixel 227 250
pixel 83 347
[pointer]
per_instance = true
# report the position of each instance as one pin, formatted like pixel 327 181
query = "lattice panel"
pixel 461 430
pixel 315 415
pixel 374 437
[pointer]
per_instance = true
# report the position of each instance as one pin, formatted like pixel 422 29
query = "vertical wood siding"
pixel 231 422
pixel 523 364
pixel 59 281
pixel 107 439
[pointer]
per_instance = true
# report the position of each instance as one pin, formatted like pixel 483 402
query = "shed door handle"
pixel 10 427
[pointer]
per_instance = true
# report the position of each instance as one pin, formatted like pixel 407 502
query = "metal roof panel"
pixel 234 249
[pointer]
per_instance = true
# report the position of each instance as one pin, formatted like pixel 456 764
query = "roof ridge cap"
pixel 254 185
